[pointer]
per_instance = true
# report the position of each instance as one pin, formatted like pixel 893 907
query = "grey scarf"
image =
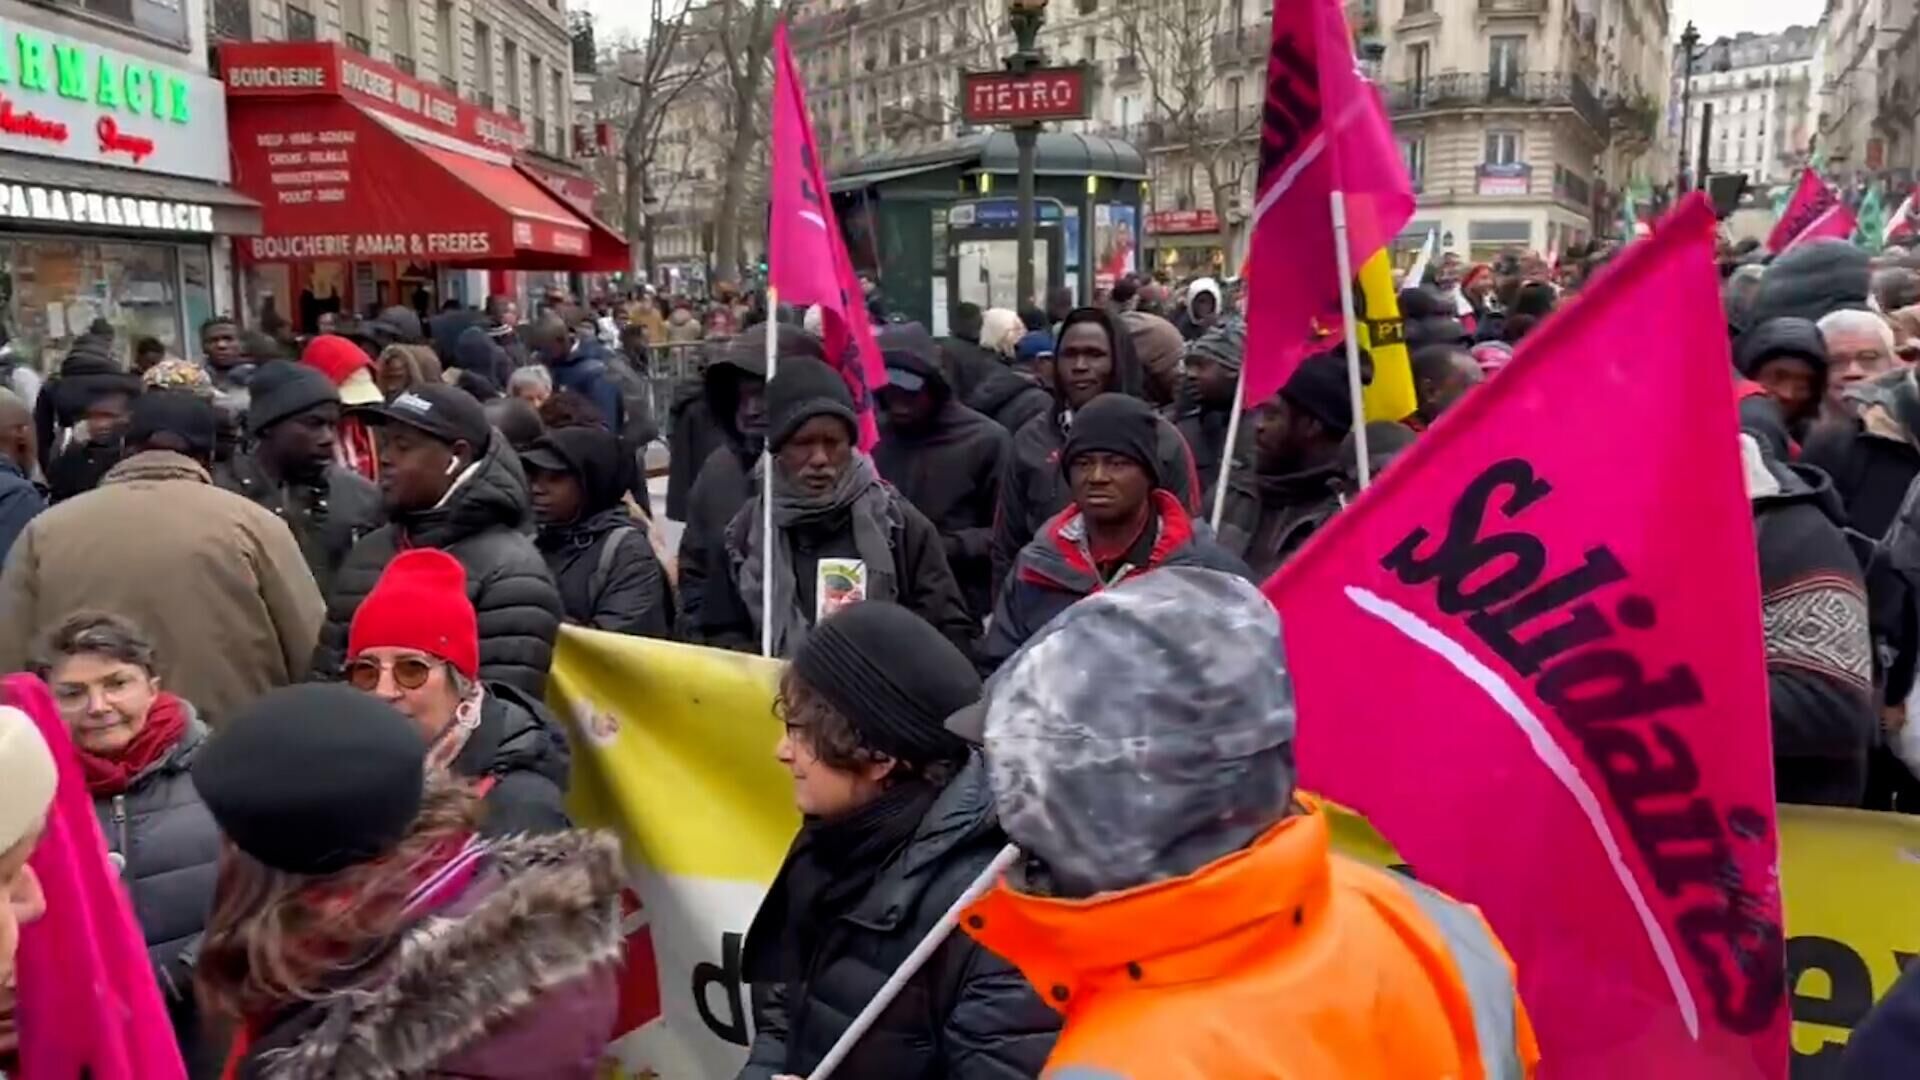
pixel 861 496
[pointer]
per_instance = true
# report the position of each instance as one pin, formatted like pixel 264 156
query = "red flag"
pixel 1813 212
pixel 1540 671
pixel 807 259
pixel 1900 226
pixel 1323 129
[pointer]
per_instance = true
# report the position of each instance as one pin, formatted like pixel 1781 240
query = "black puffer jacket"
pixel 520 747
pixel 966 1014
pixel 327 518
pixel 1010 399
pixel 167 848
pixel 950 472
pixel 512 591
pixel 1269 518
pixel 1873 456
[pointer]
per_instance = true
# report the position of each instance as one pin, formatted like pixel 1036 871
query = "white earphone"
pixel 453 466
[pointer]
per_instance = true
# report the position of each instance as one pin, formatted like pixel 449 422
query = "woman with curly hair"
pixel 362 927
pixel 898 821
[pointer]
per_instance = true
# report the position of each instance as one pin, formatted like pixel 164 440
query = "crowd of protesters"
pixel 294 607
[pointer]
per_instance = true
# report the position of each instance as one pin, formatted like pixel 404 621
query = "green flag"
pixel 1872 218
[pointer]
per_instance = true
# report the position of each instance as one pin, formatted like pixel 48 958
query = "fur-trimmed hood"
pixel 541 913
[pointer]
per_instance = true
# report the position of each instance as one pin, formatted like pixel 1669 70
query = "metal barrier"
pixel 671 367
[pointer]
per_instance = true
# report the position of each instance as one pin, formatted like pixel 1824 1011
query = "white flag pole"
pixel 914 961
pixel 1226 459
pixel 766 489
pixel 1419 268
pixel 1344 265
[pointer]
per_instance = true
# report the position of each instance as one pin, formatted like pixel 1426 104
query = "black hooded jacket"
pixel 519 746
pixel 481 523
pixel 1785 336
pixel 1010 399
pixel 1033 486
pixel 966 1015
pixel 622 590
pixel 707 604
pixel 475 352
pixel 88 371
pixel 1819 654
pixel 950 471
pixel 327 516
pixel 1873 456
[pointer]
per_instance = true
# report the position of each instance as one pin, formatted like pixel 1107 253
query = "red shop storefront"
pixel 377 189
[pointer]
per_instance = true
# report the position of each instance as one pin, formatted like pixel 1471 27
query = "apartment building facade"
pixel 1761 93
pixel 1868 70
pixel 1519 118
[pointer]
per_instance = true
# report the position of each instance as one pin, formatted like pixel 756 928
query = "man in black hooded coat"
pixel 735 401
pixel 1093 356
pixel 449 481
pixel 602 561
pixel 944 457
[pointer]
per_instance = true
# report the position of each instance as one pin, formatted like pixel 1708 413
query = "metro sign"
pixel 1003 97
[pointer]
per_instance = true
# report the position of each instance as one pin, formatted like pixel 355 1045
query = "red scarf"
pixel 166 724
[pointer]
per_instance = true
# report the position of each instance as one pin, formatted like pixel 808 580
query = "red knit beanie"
pixel 420 602
pixel 335 356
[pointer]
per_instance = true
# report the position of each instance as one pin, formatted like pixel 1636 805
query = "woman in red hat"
pixel 415 644
pixel 351 369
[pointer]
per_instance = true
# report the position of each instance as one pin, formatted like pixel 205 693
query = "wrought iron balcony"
pixel 1461 91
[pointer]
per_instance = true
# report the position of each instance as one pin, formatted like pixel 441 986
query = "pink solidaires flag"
pixel 1813 212
pixel 807 260
pixel 1322 130
pixel 87 1004
pixel 1552 702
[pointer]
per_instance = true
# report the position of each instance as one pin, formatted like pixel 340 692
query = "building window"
pixel 400 35
pixel 353 23
pixel 300 24
pixel 447 57
pixel 510 69
pixel 1419 66
pixel 483 77
pixel 1414 150
pixel 1503 148
pixel 893 47
pixel 1090 49
pixel 559 98
pixel 1506 61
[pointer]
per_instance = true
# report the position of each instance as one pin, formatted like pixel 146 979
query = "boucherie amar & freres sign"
pixel 66 98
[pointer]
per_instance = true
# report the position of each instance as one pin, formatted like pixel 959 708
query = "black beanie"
pixel 283 388
pixel 893 676
pixel 1318 387
pixel 801 389
pixel 313 779
pixel 1117 424
pixel 176 419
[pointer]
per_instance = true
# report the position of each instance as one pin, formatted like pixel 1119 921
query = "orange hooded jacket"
pixel 1278 961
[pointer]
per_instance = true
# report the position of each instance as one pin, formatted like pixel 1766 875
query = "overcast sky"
pixel 1714 17
pixel 1717 18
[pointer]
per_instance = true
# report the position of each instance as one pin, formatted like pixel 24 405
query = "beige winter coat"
pixel 217 581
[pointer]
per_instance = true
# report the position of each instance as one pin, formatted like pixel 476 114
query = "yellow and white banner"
pixel 673 749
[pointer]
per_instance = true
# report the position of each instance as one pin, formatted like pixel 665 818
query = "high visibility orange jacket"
pixel 1277 961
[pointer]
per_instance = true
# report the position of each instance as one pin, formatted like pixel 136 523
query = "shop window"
pixel 300 25
pixel 51 290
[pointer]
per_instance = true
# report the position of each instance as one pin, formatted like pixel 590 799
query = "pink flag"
pixel 1813 212
pixel 807 259
pixel 88 1004
pixel 1540 671
pixel 1322 130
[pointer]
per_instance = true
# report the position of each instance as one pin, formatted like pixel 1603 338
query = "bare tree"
pixel 642 80
pixel 744 37
pixel 1190 54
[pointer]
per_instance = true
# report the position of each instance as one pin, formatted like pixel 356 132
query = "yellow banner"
pixel 1377 314
pixel 673 749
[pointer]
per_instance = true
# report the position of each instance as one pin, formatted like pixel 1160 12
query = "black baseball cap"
pixel 446 413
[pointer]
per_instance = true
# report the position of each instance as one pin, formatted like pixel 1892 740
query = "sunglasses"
pixel 409 673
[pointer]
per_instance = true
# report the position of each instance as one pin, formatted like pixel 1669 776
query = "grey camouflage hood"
pixel 1145 732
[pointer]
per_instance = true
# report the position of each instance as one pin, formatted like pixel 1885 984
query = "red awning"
pixel 607 246
pixel 337 180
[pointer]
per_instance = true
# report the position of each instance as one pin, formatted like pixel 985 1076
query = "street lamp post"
pixel 1689 38
pixel 1025 17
